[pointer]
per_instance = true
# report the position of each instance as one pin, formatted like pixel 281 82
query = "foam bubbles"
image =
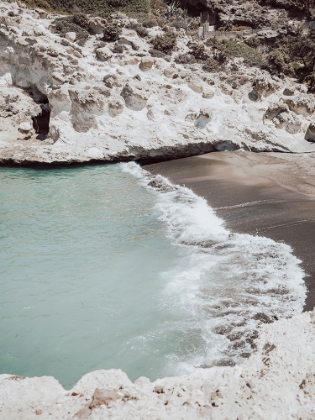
pixel 225 284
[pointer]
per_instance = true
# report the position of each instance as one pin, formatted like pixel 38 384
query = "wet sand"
pixel 268 194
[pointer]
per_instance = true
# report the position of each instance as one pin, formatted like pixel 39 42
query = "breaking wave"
pixel 225 285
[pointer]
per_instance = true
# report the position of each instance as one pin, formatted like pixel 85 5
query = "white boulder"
pixel 104 54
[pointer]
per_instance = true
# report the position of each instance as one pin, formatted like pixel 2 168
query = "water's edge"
pixel 270 277
pixel 223 288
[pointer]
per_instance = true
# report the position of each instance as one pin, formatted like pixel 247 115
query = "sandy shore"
pixel 269 194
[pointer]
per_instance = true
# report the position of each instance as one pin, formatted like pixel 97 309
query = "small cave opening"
pixel 195 8
pixel 42 119
pixel 203 10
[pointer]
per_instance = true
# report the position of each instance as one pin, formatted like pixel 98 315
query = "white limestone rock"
pixel 104 54
pixel 195 84
pixel 25 127
pixel 268 35
pixel 170 72
pixel 264 84
pixel 208 92
pixel 146 63
pixel 58 77
pixel 71 36
pixel 301 104
pixel 116 106
pixel 88 110
pixel 135 97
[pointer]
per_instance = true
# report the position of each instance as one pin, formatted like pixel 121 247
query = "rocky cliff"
pixel 64 101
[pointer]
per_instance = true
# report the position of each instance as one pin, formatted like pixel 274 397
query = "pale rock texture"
pixel 71 36
pixel 25 127
pixel 146 63
pixel 107 105
pixel 277 382
pixel 135 98
pixel 115 107
pixel 104 53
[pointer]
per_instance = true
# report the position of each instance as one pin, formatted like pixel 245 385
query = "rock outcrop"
pixel 112 101
pixel 248 13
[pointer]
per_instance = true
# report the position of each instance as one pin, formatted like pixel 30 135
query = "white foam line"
pixel 226 283
pixel 248 204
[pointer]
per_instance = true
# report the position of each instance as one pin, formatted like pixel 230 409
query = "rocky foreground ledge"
pixel 276 382
pixel 113 101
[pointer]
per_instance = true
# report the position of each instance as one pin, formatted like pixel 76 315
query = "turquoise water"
pixel 108 267
pixel 81 257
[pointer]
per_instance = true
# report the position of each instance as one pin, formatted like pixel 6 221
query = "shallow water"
pixel 103 268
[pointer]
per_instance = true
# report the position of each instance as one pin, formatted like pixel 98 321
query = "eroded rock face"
pixel 264 85
pixel 288 92
pixel 275 109
pixel 301 104
pixel 170 72
pixel 113 101
pixel 246 13
pixel 116 107
pixel 85 105
pixel 268 35
pixel 134 95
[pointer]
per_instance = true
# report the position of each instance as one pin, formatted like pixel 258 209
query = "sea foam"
pixel 225 285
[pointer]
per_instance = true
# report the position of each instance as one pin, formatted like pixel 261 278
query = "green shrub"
pixel 184 59
pixel 253 41
pixel 112 31
pixel 240 49
pixel 34 4
pixel 179 23
pixel 212 66
pixel 221 56
pixel 117 3
pixel 165 42
pixel 100 8
pixel 198 51
pixel 149 23
pixel 141 31
pixel 81 20
pixel 66 24
pixel 277 62
pixel 310 81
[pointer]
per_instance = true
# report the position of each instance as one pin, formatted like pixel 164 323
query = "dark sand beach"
pixel 269 194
